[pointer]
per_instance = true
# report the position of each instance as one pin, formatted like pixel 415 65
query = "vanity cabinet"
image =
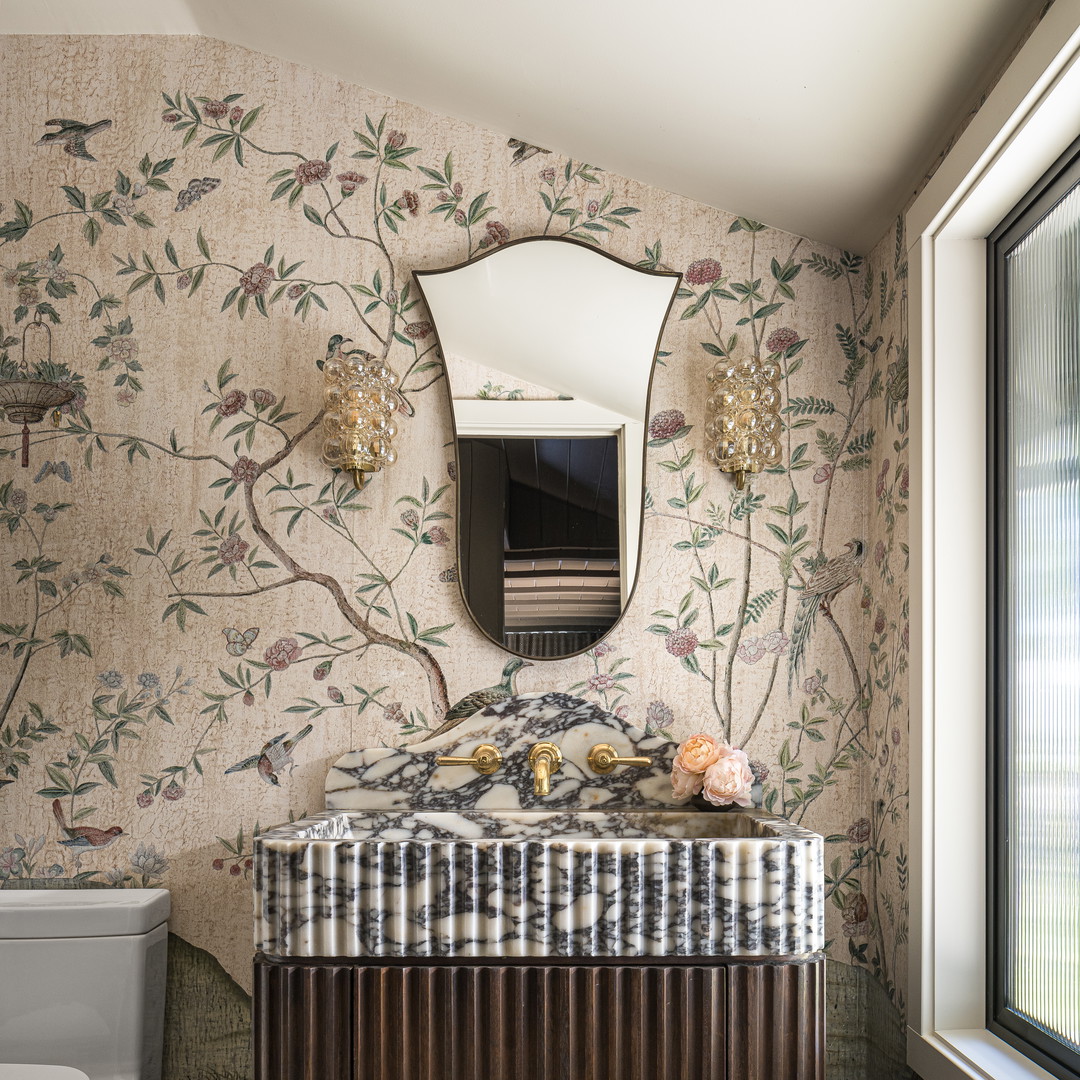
pixel 500 1019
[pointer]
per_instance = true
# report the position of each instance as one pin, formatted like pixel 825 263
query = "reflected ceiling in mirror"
pixel 549 346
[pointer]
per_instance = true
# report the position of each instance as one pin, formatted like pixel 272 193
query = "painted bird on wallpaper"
pixel 72 134
pixel 83 838
pixel 481 699
pixel 822 588
pixel 523 151
pixel 274 757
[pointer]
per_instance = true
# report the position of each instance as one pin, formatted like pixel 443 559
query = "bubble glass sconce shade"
pixel 742 418
pixel 360 399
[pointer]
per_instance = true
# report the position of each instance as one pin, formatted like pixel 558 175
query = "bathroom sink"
pixel 519 883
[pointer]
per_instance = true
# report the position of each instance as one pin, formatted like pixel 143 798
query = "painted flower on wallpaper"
pixel 335 695
pixel 350 181
pixel 667 424
pixel 245 470
pixel 750 650
pixel 232 549
pixel 256 280
pixel 394 714
pixel 823 474
pixel 812 685
pixel 776 642
pixel 410 519
pixel 111 680
pixel 495 233
pixel 232 403
pixel 703 272
pixel 409 201
pixel 282 653
pixel 880 487
pixel 263 398
pixel 658 718
pixel 449 574
pixel 312 172
pixel 144 799
pixel 600 681
pixel 215 110
pixel 149 862
pixel 681 642
pixel 173 792
pixel 601 649
pixel 781 340
pixel 418 330
pixel 236 114
pixel 438 536
pixel 857 916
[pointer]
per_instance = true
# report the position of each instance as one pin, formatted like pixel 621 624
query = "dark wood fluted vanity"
pixel 693 1019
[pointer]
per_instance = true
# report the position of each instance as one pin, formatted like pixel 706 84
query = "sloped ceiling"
pixel 817 117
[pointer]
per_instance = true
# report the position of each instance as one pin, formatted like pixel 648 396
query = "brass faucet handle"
pixel 545 759
pixel 603 758
pixel 485 759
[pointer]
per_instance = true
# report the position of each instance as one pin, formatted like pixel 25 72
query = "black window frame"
pixel 1014 1029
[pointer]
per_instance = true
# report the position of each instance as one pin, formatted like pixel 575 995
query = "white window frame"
pixel 1030 118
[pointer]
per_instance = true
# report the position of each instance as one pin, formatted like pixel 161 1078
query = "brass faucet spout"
pixel 545 759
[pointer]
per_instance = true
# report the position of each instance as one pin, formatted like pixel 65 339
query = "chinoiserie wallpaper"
pixel 197 616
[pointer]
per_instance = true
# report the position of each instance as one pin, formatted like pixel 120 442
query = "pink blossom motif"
pixel 10 860
pixel 350 180
pixel 123 204
pixel 143 799
pixel 248 698
pixel 392 297
pixel 859 831
pixel 215 110
pixel 173 791
pixel 312 172
pixel 232 403
pixel 879 552
pixel 294 292
pixel 282 653
pixel 170 117
pixel 857 917
pixel 497 234
pixel 409 201
pixel 448 575
pixel 418 330
pixel 592 207
pixel 395 139
pixel 438 536
pixel 781 340
pixel 896 736
pixel 263 397
pixel 867 599
pixel 548 175
pixel 394 714
pixel 684 784
pixel 19 501
pixel 451 470
pixel 698 753
pixel 812 685
pixel 232 549
pixel 703 272
pixel 750 650
pixel 182 282
pixel 776 641
pixel 904 481
pixel 601 682
pixel 245 470
pixel 331 515
pixel 658 715
pixel 760 771
pixel 410 519
pixel 601 649
pixel 666 424
pixel 28 294
pixel 622 712
pixel 257 280
pixel 236 114
pixel 11 278
pixel 123 348
pixel 681 642
pixel 460 218
pixel 823 473
pixel 125 398
pixel 730 780
pixel 879 621
pixel 458 189
pixel 322 671
pixel 881 478
pixel 335 695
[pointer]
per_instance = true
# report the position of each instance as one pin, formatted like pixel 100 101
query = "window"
pixel 1034 620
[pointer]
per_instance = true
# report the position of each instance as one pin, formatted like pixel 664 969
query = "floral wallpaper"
pixel 197 617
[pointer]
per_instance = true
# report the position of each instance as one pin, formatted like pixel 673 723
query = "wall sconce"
pixel 360 401
pixel 741 419
pixel 25 396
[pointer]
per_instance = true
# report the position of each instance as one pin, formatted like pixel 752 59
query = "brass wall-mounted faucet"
pixel 545 759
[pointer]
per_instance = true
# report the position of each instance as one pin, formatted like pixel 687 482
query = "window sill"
pixel 970 1054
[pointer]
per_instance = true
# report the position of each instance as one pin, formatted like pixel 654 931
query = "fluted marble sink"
pixel 532 883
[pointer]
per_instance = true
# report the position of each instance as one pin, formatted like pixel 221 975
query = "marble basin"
pixel 512 883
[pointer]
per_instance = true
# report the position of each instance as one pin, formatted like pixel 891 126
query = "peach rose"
pixel 684 785
pixel 698 753
pixel 729 779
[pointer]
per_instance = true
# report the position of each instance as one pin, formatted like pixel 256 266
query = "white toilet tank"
pixel 82 979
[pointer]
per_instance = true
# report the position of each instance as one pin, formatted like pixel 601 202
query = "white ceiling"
pixel 816 116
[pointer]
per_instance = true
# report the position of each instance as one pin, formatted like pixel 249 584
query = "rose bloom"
pixel 215 109
pixel 601 682
pixel 263 397
pixel 235 114
pixel 245 471
pixel 257 280
pixel 232 403
pixel 183 281
pixel 751 650
pixel 233 549
pixel 548 175
pixel 409 201
pixel 684 784
pixel 418 330
pixel 698 753
pixel 350 181
pixel 282 653
pixel 459 217
pixel 729 780
pixel 170 117
pixel 395 140
pixel 439 536
pixel 295 291
pixel 312 172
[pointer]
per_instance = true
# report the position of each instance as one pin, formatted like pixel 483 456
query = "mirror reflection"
pixel 549 347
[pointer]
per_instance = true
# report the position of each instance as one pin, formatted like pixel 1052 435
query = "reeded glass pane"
pixel 1042 950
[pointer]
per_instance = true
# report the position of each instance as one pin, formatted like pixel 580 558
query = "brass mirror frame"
pixel 418 276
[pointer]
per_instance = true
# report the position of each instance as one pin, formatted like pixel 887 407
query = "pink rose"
pixel 312 172
pixel 698 753
pixel 729 780
pixel 236 114
pixel 684 784
pixel 215 110
pixel 282 653
pixel 822 473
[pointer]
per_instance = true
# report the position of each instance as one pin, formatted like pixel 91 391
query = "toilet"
pixel 82 983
